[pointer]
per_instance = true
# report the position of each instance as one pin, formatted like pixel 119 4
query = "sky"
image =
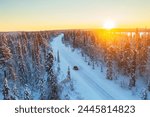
pixel 19 15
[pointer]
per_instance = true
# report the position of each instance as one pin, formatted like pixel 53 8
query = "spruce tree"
pixel 52 79
pixel 109 73
pixel 6 89
pixel 5 52
pixel 27 93
pixel 132 82
pixel 15 92
pixel 68 73
pixel 58 58
pixel 144 94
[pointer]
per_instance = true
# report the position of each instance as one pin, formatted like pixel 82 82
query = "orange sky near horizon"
pixel 32 15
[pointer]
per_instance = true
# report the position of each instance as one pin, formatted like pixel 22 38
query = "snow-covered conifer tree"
pixel 52 79
pixel 27 93
pixel 6 89
pixel 68 73
pixel 58 58
pixel 109 73
pixel 15 93
pixel 132 82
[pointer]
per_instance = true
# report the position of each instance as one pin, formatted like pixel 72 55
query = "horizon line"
pixel 63 29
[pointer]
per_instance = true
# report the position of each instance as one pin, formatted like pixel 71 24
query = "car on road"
pixel 75 68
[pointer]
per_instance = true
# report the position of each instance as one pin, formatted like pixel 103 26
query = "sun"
pixel 109 24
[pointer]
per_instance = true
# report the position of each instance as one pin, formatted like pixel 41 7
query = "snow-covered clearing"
pixel 88 83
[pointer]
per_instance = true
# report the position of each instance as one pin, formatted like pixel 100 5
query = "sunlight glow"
pixel 109 24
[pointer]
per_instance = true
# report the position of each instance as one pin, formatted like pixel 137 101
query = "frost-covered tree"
pixel 58 68
pixel 68 73
pixel 143 58
pixel 109 73
pixel 6 89
pixel 27 93
pixel 42 89
pixel 58 58
pixel 144 95
pixel 5 53
pixel 132 81
pixel 148 70
pixel 22 70
pixel 15 93
pixel 52 79
pixel 58 61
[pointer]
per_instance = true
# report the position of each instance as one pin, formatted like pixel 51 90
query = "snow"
pixel 86 83
pixel 89 84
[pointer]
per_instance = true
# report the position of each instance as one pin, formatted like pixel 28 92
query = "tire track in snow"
pixel 89 80
pixel 99 89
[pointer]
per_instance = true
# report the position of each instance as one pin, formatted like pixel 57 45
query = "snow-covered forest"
pixel 75 64
pixel 26 66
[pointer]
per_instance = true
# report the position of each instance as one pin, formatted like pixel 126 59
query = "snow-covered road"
pixel 89 83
